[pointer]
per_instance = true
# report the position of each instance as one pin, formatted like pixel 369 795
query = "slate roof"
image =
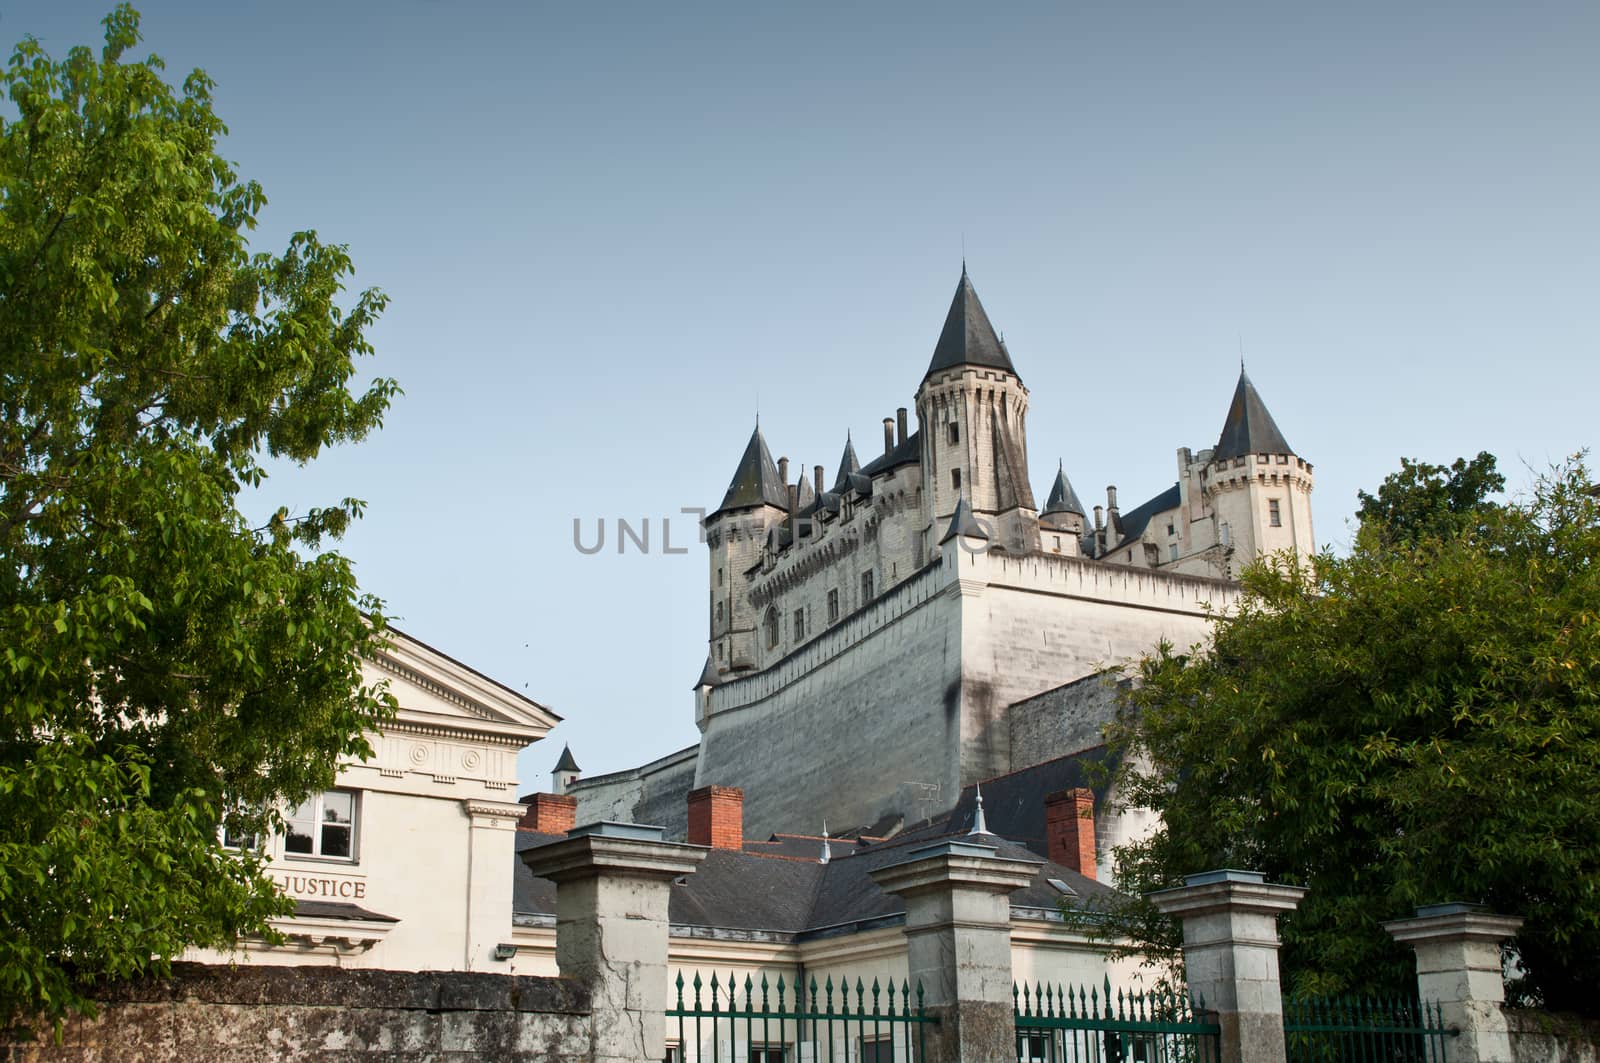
pixel 1135 521
pixel 566 763
pixel 907 453
pixel 756 481
pixel 963 523
pixel 709 677
pixel 848 466
pixel 968 338
pixel 1249 428
pixel 802 897
pixel 338 910
pixel 1013 804
pixel 1063 499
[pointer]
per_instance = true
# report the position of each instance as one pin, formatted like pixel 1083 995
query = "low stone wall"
pixel 1543 1037
pixel 323 1014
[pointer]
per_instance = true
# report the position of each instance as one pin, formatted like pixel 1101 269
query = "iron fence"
pixel 1075 1025
pixel 1363 1030
pixel 721 1021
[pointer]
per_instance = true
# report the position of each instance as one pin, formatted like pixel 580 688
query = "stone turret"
pixel 1061 522
pixel 973 410
pixel 756 501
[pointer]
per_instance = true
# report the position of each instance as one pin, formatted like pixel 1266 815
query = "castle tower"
pixel 1257 488
pixel 757 499
pixel 1061 522
pixel 973 410
pixel 565 773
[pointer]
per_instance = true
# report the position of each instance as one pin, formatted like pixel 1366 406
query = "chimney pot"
pixel 783 469
pixel 716 817
pixel 549 813
pixel 900 425
pixel 888 434
pixel 1069 830
pixel 1099 518
pixel 1111 498
pixel 816 479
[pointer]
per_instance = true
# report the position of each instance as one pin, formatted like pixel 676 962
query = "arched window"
pixel 772 628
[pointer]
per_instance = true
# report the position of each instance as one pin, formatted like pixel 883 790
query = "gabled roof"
pixel 848 466
pixel 963 523
pixel 756 481
pixel 1249 428
pixel 968 338
pixel 1063 499
pixel 1133 523
pixel 567 763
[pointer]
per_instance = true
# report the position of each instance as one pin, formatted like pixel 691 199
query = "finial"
pixel 827 853
pixel 1241 354
pixel 978 824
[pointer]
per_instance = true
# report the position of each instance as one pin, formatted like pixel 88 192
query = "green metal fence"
pixel 1074 1025
pixel 722 1021
pixel 1363 1030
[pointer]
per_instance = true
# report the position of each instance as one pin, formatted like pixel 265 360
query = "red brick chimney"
pixel 716 817
pixel 549 813
pixel 1069 829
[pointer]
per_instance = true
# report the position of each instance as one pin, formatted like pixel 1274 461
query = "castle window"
pixel 719 577
pixel 719 612
pixel 866 587
pixel 719 651
pixel 955 479
pixel 833 606
pixel 1274 516
pixel 771 624
pixel 955 433
pixel 325 826
pixel 1172 529
pixel 799 624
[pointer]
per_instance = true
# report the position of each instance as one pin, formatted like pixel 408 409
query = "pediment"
pixel 440 695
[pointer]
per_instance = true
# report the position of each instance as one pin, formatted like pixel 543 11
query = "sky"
pixel 614 232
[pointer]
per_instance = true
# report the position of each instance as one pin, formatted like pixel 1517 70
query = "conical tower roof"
pixel 1249 428
pixel 566 763
pixel 968 338
pixel 708 675
pixel 848 466
pixel 756 482
pixel 1063 499
pixel 963 523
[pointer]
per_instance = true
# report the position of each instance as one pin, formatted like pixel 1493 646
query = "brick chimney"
pixel 716 817
pixel 549 813
pixel 1069 829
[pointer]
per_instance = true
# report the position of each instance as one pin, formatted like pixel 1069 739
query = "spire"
pixel 1249 428
pixel 848 466
pixel 1063 499
pixel 968 338
pixel 756 482
pixel 963 523
pixel 978 824
pixel 566 763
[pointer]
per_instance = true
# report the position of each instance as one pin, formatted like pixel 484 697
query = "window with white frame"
pixel 767 1054
pixel 1274 514
pixel 324 826
pixel 877 1050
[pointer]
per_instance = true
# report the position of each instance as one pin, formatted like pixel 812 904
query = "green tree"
pixel 163 664
pixel 1417 722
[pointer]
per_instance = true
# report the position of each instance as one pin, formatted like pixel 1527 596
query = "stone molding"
pixel 589 855
pixel 964 865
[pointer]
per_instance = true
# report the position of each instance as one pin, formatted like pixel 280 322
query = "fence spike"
pixel 874 994
pixel 891 997
pixel 697 984
pixel 919 996
pixel 749 992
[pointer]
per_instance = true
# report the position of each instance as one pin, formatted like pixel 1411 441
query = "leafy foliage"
pixel 162 663
pixel 1416 723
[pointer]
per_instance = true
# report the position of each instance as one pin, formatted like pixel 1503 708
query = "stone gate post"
pixel 613 881
pixel 1458 968
pixel 1230 952
pixel 958 943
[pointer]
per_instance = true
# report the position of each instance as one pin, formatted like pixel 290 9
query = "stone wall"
pixel 1542 1037
pixel 320 1015
pixel 1064 719
pixel 655 794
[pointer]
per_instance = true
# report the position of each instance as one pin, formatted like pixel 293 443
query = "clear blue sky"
pixel 608 228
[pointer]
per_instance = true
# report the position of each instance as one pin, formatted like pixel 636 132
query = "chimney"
pixel 716 817
pixel 900 425
pixel 816 478
pixel 1069 829
pixel 888 434
pixel 1111 498
pixel 783 470
pixel 549 813
pixel 1099 519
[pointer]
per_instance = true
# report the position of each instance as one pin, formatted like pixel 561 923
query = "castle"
pixel 879 641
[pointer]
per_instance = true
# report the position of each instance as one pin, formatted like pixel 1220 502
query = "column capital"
pixel 955 864
pixel 1230 890
pixel 621 849
pixel 1449 923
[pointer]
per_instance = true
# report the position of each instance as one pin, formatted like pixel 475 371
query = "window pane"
pixel 335 840
pixel 338 807
pixel 299 839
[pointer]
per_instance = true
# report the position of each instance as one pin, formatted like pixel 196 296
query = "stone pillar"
pixel 613 881
pixel 1458 968
pixel 491 843
pixel 958 943
pixel 1230 953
